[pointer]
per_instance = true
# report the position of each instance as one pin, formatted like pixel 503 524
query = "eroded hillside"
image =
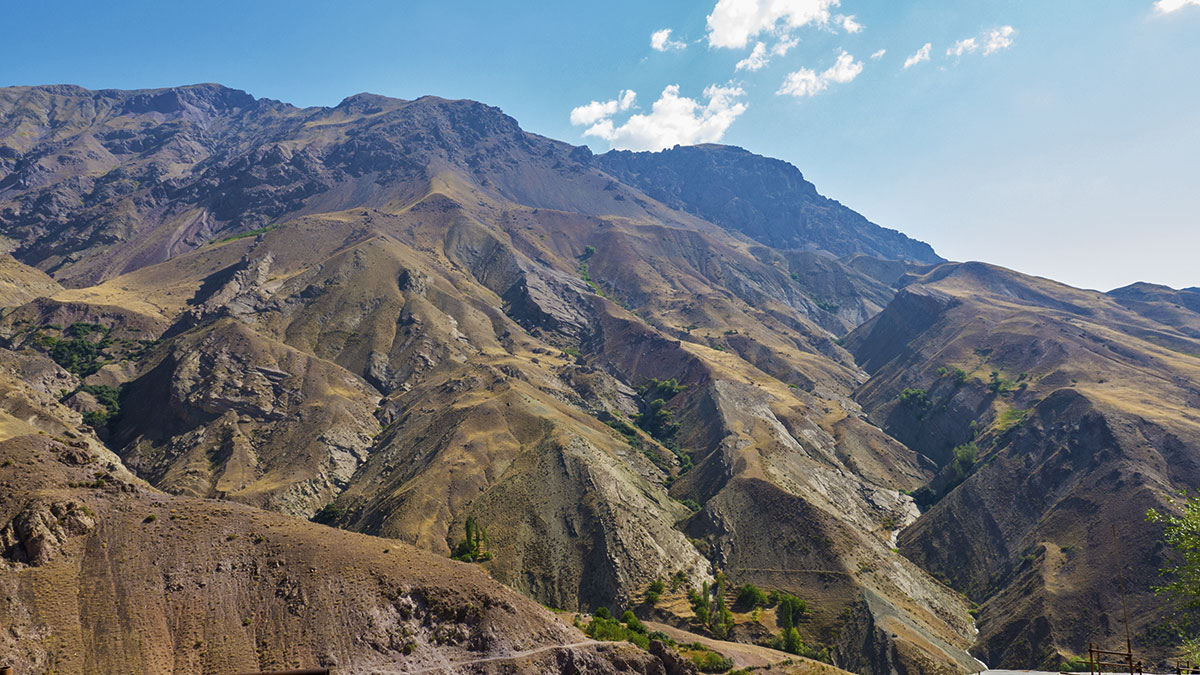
pixel 1055 414
pixel 398 317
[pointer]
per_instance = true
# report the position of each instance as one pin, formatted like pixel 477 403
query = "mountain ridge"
pixel 401 317
pixel 394 136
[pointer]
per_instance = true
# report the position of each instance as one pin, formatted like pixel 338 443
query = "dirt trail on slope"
pixel 450 667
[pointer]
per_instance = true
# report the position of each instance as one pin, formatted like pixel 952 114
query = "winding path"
pixel 505 657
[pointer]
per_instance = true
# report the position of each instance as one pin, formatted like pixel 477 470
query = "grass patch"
pixel 252 233
pixel 1010 419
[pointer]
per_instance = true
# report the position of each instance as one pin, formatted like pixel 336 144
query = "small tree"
pixel 792 643
pixel 750 596
pixel 791 611
pixel 700 603
pixel 655 591
pixel 1182 534
pixel 475 548
pixel 721 619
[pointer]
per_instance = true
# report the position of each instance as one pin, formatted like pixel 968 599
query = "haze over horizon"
pixel 1054 140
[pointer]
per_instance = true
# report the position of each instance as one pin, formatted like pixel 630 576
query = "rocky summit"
pixel 396 385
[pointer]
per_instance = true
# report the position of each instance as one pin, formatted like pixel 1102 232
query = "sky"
pixel 1056 137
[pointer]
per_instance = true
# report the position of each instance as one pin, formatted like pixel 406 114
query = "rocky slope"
pixel 397 316
pixel 766 199
pixel 1062 414
pixel 101 573
pixel 441 317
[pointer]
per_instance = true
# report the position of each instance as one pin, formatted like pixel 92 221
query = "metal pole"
pixel 1124 608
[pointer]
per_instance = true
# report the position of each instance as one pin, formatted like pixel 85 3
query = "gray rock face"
pixel 36 535
pixel 765 199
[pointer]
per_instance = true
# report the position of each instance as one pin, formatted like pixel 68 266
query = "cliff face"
pixel 766 199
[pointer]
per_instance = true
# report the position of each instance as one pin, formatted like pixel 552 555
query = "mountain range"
pixel 264 366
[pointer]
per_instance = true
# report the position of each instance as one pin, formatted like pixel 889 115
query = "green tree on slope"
pixel 1182 533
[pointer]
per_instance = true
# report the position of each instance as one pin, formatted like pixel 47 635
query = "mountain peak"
pixel 766 199
pixel 206 99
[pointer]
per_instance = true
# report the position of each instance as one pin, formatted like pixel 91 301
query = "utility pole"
pixel 1124 607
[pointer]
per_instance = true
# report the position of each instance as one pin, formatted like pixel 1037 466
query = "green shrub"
pixel 915 398
pixel 1075 664
pixel 656 420
pixel 678 579
pixel 712 662
pixel 750 596
pixel 605 628
pixel 999 385
pixel 965 456
pixel 329 514
pixel 631 620
pixel 958 374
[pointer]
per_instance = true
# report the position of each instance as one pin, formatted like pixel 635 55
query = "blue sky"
pixel 1064 141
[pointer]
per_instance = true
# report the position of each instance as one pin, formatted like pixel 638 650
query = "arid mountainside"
pixel 101 573
pixel 1055 414
pixel 410 319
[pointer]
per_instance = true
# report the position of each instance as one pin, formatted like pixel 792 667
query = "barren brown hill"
pixel 102 573
pixel 1061 413
pixel 398 317
pixel 20 283
pixel 465 320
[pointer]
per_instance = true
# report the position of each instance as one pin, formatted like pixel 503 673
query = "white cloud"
pixel 1002 38
pixel 965 46
pixel 990 41
pixel 849 24
pixel 598 110
pixel 733 23
pixel 673 120
pixel 660 41
pixel 921 55
pixel 808 82
pixel 803 82
pixel 784 45
pixel 878 55
pixel 756 60
pixel 1168 6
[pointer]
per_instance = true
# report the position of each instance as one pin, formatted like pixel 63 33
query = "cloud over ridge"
pixel 672 120
pixel 808 82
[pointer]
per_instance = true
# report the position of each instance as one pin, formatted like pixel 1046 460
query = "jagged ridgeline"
pixel 681 386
